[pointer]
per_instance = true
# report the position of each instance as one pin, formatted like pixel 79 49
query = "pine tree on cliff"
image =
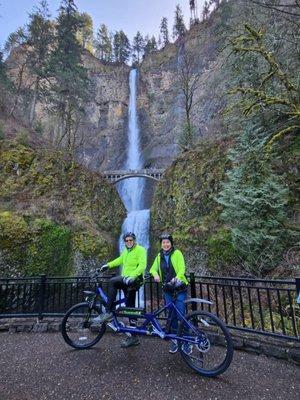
pixel 121 47
pixel 179 28
pixel 103 44
pixel 86 31
pixel 205 11
pixel 164 31
pixel 138 46
pixel 150 45
pixel 40 40
pixel 70 84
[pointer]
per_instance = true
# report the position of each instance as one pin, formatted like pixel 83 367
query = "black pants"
pixel 129 291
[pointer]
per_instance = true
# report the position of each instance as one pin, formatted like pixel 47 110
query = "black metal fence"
pixel 267 307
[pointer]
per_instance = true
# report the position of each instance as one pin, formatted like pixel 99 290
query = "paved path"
pixel 42 366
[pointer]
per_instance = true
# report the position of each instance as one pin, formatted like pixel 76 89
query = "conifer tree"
pixel 103 44
pixel 254 203
pixel 40 40
pixel 138 46
pixel 70 86
pixel 179 28
pixel 164 31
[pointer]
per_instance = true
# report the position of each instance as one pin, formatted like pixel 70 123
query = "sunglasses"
pixel 128 240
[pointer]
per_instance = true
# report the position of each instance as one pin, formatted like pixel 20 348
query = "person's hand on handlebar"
pixel 104 268
pixel 176 282
pixel 127 280
pixel 157 279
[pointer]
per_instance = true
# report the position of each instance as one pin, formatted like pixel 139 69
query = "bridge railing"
pixel 267 307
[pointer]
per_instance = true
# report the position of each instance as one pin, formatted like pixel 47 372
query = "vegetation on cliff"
pixel 55 216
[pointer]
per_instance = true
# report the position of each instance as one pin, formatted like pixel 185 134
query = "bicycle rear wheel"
pixel 78 328
pixel 211 352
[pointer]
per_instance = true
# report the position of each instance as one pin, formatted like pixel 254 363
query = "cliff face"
pixel 104 125
pixel 161 102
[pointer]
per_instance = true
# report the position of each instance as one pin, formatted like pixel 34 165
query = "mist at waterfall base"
pixel 132 190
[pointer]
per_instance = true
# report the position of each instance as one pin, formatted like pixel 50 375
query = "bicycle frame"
pixel 151 326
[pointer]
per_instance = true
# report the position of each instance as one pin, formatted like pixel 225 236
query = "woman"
pixel 169 269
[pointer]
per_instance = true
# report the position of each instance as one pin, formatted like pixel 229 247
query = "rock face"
pixel 104 125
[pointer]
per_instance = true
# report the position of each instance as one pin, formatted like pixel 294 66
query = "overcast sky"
pixel 129 15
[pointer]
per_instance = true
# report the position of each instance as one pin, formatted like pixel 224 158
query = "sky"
pixel 129 15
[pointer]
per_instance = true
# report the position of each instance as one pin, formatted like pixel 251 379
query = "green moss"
pixel 220 250
pixel 55 208
pixel 184 202
pixel 49 251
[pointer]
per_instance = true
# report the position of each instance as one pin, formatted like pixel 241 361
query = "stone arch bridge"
pixel 119 175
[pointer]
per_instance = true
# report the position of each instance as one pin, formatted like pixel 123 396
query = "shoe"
pixel 105 317
pixel 130 341
pixel 187 348
pixel 173 346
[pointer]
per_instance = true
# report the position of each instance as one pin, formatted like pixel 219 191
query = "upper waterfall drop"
pixel 132 190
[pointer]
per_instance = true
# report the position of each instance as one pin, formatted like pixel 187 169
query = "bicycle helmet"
pixel 127 234
pixel 166 236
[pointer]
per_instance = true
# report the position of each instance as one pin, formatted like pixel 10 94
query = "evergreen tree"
pixel 70 84
pixel 103 44
pixel 254 201
pixel 86 31
pixel 121 47
pixel 40 40
pixel 164 31
pixel 205 11
pixel 138 46
pixel 17 41
pixel 150 45
pixel 178 27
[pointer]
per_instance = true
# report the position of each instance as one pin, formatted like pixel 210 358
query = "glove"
pixel 104 268
pixel 176 282
pixel 127 280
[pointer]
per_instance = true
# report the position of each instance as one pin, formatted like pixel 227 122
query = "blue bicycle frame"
pixel 151 325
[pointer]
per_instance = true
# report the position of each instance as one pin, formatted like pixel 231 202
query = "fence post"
pixel 193 290
pixel 298 289
pixel 43 279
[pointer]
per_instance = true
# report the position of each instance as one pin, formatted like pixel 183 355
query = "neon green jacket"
pixel 133 261
pixel 177 262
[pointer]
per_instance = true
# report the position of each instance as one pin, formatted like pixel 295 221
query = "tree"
pixel 17 41
pixel 150 45
pixel 205 11
pixel 103 44
pixel 121 47
pixel 179 28
pixel 188 81
pixel 274 90
pixel 164 31
pixel 40 41
pixel 254 203
pixel 85 31
pixel 5 83
pixel 70 83
pixel 138 46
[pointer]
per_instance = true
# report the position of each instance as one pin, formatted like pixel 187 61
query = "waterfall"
pixel 131 190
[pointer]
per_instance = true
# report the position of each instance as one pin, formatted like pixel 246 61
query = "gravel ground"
pixel 42 366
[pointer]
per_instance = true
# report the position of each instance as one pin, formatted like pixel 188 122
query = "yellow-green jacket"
pixel 133 261
pixel 178 263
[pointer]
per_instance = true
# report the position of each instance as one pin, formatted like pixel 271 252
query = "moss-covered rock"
pixel 50 209
pixel 184 202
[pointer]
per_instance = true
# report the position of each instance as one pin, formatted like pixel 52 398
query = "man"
pixel 133 260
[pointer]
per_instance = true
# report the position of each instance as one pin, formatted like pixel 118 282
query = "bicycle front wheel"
pixel 79 329
pixel 209 350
